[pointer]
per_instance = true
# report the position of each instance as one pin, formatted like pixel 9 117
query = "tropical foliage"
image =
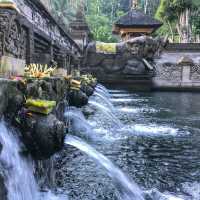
pixel 101 16
pixel 64 10
pixel 181 17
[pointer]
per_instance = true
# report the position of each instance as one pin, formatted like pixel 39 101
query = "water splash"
pixel 107 112
pixel 154 194
pixel 128 190
pixel 102 91
pixel 155 129
pixel 126 100
pixel 106 100
pixel 18 171
pixel 79 123
pixel 192 189
pixel 137 110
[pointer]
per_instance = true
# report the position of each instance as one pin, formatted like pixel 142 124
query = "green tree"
pixel 166 14
pixel 101 15
pixel 64 10
pixel 178 14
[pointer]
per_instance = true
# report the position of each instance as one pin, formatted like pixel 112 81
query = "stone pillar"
pixel 186 74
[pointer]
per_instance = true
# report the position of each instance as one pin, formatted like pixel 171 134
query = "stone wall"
pixel 177 71
pixel 29 32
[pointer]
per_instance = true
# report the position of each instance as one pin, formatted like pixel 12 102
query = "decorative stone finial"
pixel 135 4
pixel 185 61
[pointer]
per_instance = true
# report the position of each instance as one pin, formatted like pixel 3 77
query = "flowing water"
pixel 17 170
pixel 127 189
pixel 132 146
pixel 156 145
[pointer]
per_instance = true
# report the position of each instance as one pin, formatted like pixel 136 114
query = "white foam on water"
pixel 123 95
pixel 51 196
pixel 154 194
pixel 108 134
pixel 137 110
pixel 125 100
pixel 170 197
pixel 192 189
pixel 151 130
pixel 117 91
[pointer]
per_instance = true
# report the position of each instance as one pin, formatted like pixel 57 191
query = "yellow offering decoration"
pixel 8 4
pixel 40 106
pixel 38 71
pixel 75 85
pixel 102 47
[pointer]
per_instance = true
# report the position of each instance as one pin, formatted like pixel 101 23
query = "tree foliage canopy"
pixel 171 12
pixel 101 14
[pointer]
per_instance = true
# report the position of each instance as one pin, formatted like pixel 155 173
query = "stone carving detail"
pixel 4 21
pixel 11 35
pixel 23 43
pixel 36 17
pixel 12 40
pixel 169 71
pixel 127 60
pixel 30 31
pixel 195 72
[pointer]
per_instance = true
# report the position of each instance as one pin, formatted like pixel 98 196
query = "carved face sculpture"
pixel 135 47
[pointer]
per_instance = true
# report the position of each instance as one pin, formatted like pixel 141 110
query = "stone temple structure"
pixel 79 29
pixel 135 23
pixel 130 62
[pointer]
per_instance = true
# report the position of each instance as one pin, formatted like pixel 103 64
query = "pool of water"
pixel 157 145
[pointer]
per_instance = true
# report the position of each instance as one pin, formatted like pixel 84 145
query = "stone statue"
pixel 125 58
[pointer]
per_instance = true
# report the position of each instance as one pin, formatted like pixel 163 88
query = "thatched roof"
pixel 136 18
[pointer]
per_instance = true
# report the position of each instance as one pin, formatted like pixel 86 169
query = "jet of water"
pixel 18 171
pixel 128 190
pixel 105 99
pixel 106 111
pixel 103 91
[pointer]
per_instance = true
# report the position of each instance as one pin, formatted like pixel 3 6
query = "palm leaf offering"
pixel 87 79
pixel 40 106
pixel 38 71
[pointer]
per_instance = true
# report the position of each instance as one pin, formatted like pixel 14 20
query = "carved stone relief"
pixel 169 72
pixel 195 72
pixel 4 21
pixel 17 30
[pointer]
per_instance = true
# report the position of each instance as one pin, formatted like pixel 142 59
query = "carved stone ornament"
pixel 12 40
